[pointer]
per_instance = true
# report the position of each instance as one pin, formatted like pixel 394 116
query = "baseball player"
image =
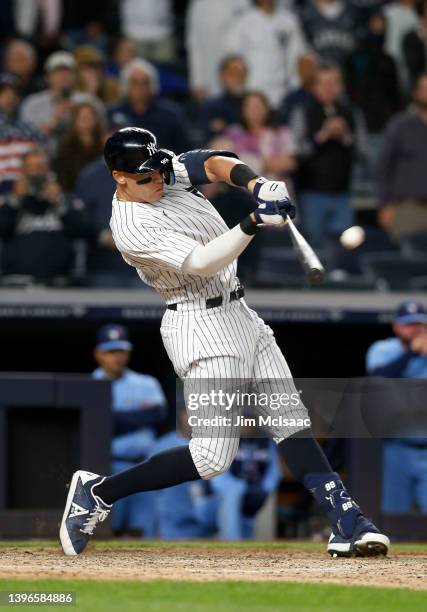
pixel 180 246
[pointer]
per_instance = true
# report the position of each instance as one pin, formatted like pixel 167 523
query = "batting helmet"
pixel 134 149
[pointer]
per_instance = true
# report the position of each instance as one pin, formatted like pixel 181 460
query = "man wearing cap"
pixel 139 407
pixel 16 137
pixel 49 110
pixel 404 459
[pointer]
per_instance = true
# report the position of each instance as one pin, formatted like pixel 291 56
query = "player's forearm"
pixel 209 259
pixel 231 171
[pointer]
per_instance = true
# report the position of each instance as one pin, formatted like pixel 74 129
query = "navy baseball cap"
pixel 411 312
pixel 113 337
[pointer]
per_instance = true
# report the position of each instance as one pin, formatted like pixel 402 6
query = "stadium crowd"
pixel 329 95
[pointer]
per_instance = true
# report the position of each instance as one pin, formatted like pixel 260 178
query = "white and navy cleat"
pixel 366 541
pixel 83 511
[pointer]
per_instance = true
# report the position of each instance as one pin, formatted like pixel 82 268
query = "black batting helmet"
pixel 134 149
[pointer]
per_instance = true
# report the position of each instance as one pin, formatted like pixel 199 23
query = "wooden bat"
pixel 313 269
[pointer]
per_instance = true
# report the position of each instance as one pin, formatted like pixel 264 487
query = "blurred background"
pixel 330 96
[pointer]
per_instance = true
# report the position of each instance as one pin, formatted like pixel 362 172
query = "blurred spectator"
pixel 401 172
pixel 325 131
pixel 150 24
pixel 105 265
pixel 415 46
pixel 238 495
pixel 39 19
pixel 49 110
pixel 270 41
pixel 89 23
pixel 266 148
pixel 38 223
pixel 82 144
pixel 223 110
pixel 331 28
pixel 405 459
pixel 141 107
pixel 124 51
pixel 139 407
pixel 206 30
pixel 306 66
pixel 16 137
pixel 372 80
pixel 20 59
pixel 90 75
pixel 401 18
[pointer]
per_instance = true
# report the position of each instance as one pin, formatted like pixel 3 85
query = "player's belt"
pixel 214 302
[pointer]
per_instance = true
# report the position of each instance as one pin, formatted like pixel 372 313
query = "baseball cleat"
pixel 366 541
pixel 83 511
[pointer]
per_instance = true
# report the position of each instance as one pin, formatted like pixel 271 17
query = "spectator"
pixel 49 109
pixel 372 80
pixel 415 46
pixel 265 148
pixel 401 172
pixel 139 407
pixel 206 30
pixel 325 130
pixel 105 265
pixel 39 20
pixel 89 23
pixel 20 59
pixel 150 24
pixel 239 494
pixel 16 137
pixel 90 75
pixel 223 110
pixel 124 51
pixel 270 41
pixel 38 223
pixel 307 65
pixel 404 460
pixel 82 144
pixel 401 18
pixel 141 107
pixel 331 28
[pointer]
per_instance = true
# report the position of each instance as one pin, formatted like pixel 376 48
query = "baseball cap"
pixel 9 80
pixel 60 59
pixel 411 312
pixel 113 337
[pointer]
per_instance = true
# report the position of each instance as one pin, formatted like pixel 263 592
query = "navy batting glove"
pixel 273 192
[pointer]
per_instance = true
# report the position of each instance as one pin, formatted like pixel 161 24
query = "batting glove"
pixel 274 204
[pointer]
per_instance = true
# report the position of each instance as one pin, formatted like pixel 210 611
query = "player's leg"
pixel 91 496
pixel 351 531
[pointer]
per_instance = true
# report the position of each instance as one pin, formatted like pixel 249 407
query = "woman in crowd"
pixel 82 143
pixel 267 148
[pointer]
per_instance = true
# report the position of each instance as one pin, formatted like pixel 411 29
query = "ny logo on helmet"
pixel 151 148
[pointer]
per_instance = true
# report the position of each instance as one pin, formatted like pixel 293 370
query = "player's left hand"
pixel 274 191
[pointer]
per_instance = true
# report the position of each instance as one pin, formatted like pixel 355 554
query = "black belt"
pixel 214 302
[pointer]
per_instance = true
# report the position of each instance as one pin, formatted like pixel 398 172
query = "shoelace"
pixel 98 515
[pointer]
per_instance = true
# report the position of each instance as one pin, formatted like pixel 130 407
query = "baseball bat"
pixel 313 269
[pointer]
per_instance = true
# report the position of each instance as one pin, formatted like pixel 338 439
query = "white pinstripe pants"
pixel 227 342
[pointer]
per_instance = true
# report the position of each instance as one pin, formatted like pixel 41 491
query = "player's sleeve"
pixel 190 166
pixel 164 248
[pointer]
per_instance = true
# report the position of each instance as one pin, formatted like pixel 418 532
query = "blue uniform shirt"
pixel 134 391
pixel 384 352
